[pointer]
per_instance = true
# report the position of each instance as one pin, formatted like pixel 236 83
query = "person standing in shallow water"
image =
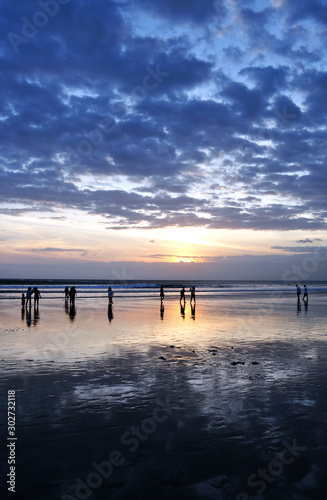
pixel 72 295
pixel 298 292
pixel 182 294
pixel 37 296
pixel 29 297
pixel 305 297
pixel 110 313
pixel 110 295
pixel 162 293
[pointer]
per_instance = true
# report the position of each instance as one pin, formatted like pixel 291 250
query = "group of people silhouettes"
pixel 182 301
pixel 182 294
pixel 70 294
pixel 26 300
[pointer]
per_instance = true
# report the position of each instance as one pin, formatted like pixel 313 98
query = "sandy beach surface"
pixel 227 401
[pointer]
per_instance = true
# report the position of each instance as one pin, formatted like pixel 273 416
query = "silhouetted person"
pixel 66 293
pixel 72 295
pixel 298 292
pixel 182 294
pixel 192 289
pixel 162 310
pixel 110 313
pixel 23 300
pixel 34 292
pixel 110 295
pixel 305 297
pixel 29 297
pixel 37 296
pixel 162 293
pixel 193 310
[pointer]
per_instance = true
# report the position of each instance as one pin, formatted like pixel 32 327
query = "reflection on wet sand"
pixel 299 307
pixel 192 425
pixel 70 308
pixel 28 315
pixel 26 312
pixel 182 305
pixel 72 311
pixel 36 318
pixel 110 313
pixel 233 386
pixel 226 322
pixel 193 310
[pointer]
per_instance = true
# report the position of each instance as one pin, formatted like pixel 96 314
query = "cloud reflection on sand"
pixel 227 419
pixel 223 328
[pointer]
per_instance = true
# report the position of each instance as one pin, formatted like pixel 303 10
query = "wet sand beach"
pixel 227 401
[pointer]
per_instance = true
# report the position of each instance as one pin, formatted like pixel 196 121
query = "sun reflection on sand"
pixel 137 325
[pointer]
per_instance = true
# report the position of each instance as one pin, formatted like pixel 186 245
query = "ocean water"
pixel 53 289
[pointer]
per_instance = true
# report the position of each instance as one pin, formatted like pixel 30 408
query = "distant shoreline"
pixel 177 282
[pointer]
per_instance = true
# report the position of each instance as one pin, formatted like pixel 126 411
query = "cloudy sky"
pixel 161 138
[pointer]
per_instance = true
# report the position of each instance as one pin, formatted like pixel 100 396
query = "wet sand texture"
pixel 230 404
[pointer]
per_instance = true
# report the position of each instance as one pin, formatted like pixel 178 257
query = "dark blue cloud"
pixel 263 38
pixel 195 11
pixel 302 10
pixel 298 249
pixel 308 240
pixel 268 79
pixel 189 117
